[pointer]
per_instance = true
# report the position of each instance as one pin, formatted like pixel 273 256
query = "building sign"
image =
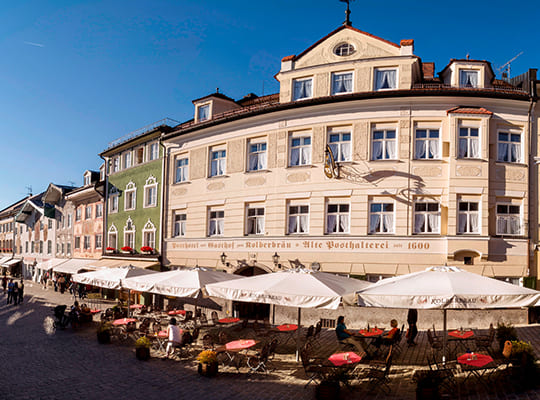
pixel 369 245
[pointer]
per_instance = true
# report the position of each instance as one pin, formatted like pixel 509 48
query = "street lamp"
pixel 223 258
pixel 275 258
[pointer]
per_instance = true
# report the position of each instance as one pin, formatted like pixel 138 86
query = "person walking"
pixel 9 291
pixel 4 282
pixel 412 319
pixel 21 291
pixel 15 293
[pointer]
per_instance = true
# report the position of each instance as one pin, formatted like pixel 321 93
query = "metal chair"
pixel 377 374
pixel 484 342
pixel 314 368
pixel 259 362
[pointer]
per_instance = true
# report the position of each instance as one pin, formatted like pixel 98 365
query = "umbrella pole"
pixel 298 335
pixel 444 336
pixel 128 303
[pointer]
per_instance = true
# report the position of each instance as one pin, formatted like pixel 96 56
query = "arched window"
pixel 112 237
pixel 129 234
pixel 149 234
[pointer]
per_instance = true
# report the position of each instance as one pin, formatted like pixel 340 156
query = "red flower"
pixel 127 248
pixel 146 248
pixel 110 248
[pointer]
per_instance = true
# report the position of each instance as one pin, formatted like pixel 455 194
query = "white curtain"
pixel 391 149
pixel 516 152
pixel 303 223
pixel 220 224
pixel 295 156
pixel 344 223
pixel 503 152
pixel 345 152
pixel 514 225
pixel 293 224
pixel 331 224
pixel 374 221
pixel 388 223
pixel 434 149
pixel 418 223
pixel 469 78
pixel 462 223
pixel 462 148
pixel 501 225
pixel 475 148
pixel 302 89
pixel 342 83
pixel 433 221
pixel 212 228
pixel 474 223
pixel 260 225
pixel 377 150
pixel 386 79
pixel 421 149
pixel 305 155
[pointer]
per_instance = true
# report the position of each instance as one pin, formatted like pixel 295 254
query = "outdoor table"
pixel 231 350
pixel 161 338
pixel 287 329
pixel 229 320
pixel 177 312
pixel 95 311
pixel 123 321
pixel 136 306
pixel 339 359
pixel 371 334
pixel 460 338
pixel 344 364
pixel 477 366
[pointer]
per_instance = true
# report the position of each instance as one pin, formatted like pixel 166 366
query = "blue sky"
pixel 77 74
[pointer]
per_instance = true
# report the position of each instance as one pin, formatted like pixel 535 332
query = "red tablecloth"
pixel 162 334
pixel 123 321
pixel 95 311
pixel 240 344
pixel 136 306
pixel 339 359
pixel 461 334
pixel 476 360
pixel 371 332
pixel 229 320
pixel 177 312
pixel 287 327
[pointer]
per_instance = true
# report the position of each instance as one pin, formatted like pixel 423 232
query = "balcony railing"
pixel 495 88
pixel 145 129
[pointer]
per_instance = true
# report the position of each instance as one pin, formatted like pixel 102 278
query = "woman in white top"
pixel 175 337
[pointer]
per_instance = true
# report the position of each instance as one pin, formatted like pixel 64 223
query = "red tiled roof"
pixel 469 110
pixel 288 58
pixel 407 42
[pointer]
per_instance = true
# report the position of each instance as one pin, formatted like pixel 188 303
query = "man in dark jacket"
pixel 412 319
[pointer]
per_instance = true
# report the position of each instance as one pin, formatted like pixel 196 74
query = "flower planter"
pixel 104 337
pixel 208 369
pixel 142 353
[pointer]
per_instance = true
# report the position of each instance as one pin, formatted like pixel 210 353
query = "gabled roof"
pixel 453 60
pixel 216 94
pixel 469 110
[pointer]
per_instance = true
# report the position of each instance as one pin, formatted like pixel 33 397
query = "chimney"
pixel 407 47
pixel 428 70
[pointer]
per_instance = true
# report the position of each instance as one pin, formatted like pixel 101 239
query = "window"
pixel 149 234
pixel 508 219
pixel 381 218
pixel 87 244
pixel 468 217
pixel 255 221
pixel 77 242
pixel 129 234
pixel 300 151
pixel 182 165
pixel 150 192
pixel 112 237
pixel 88 212
pixel 218 162
pixel 26 247
pixel 49 247
pixel 179 224
pixel 216 223
pixel 509 147
pixel 98 242
pixel 337 218
pixel 33 245
pixel 69 218
pixel 130 196
pixel 127 160
pixel 63 248
pixel 153 151
pixel 99 210
pixel 116 164
pixel 342 83
pixel 468 79
pixel 139 155
pixel 86 180
pixel 340 144
pixel 41 247
pixel 68 248
pixel 203 112
pixel 257 156
pixel 427 144
pixel 57 248
pixel 384 144
pixel 40 225
pixel 344 49
pixel 385 79
pixel 113 201
pixel 78 214
pixel 427 217
pixel 469 143
pixel 298 219
pixel 49 223
pixel 302 88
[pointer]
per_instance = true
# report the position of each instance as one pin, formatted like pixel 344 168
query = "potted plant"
pixel 147 250
pixel 127 250
pixel 104 332
pixel 427 384
pixel 208 363
pixel 110 250
pixel 142 348
pixel 505 332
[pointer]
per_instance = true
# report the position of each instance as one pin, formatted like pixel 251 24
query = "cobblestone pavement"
pixel 69 364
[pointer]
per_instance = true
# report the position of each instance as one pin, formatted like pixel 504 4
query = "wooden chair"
pixel 435 343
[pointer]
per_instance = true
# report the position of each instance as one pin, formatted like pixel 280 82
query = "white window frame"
pixel 113 201
pixel 342 214
pixel 179 223
pixel 466 216
pixel 423 216
pixel 259 154
pixel 78 214
pixel 130 192
pixel 98 239
pixel 218 161
pixel 297 215
pixel 386 143
pixel 203 106
pixel 153 151
pixel 69 218
pixel 87 242
pixel 341 75
pixel 112 233
pixel 99 210
pixel 129 234
pixel 505 218
pixel 181 170
pixel 428 144
pixel 115 164
pixel 149 234
pixel 344 49
pixel 340 142
pixel 386 218
pixel 255 219
pixel 302 148
pixel 376 78
pixel 86 179
pixel 151 185
pixel 88 212
pixel 468 71
pixel 128 159
pixel 139 155
pixel 465 133
pixel 510 146
pixel 295 93
pixel 216 222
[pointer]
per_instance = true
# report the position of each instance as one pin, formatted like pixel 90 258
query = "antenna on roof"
pixel 28 190
pixel 347 21
pixel 505 68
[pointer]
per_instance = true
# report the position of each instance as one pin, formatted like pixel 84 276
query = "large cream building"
pixel 427 169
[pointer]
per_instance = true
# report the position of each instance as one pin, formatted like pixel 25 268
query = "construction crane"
pixel 504 69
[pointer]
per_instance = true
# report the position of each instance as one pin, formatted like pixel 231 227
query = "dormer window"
pixel 203 112
pixel 385 78
pixel 303 88
pixel 342 82
pixel 468 79
pixel 86 180
pixel 344 49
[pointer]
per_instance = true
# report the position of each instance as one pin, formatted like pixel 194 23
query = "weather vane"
pixel 347 13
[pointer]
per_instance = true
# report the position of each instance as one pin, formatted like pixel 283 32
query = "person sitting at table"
pixel 85 314
pixel 388 338
pixel 174 333
pixel 346 336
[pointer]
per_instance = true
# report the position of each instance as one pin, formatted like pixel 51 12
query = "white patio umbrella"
pixel 445 287
pixel 299 288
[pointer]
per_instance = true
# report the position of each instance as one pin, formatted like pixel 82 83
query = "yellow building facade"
pixel 365 163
